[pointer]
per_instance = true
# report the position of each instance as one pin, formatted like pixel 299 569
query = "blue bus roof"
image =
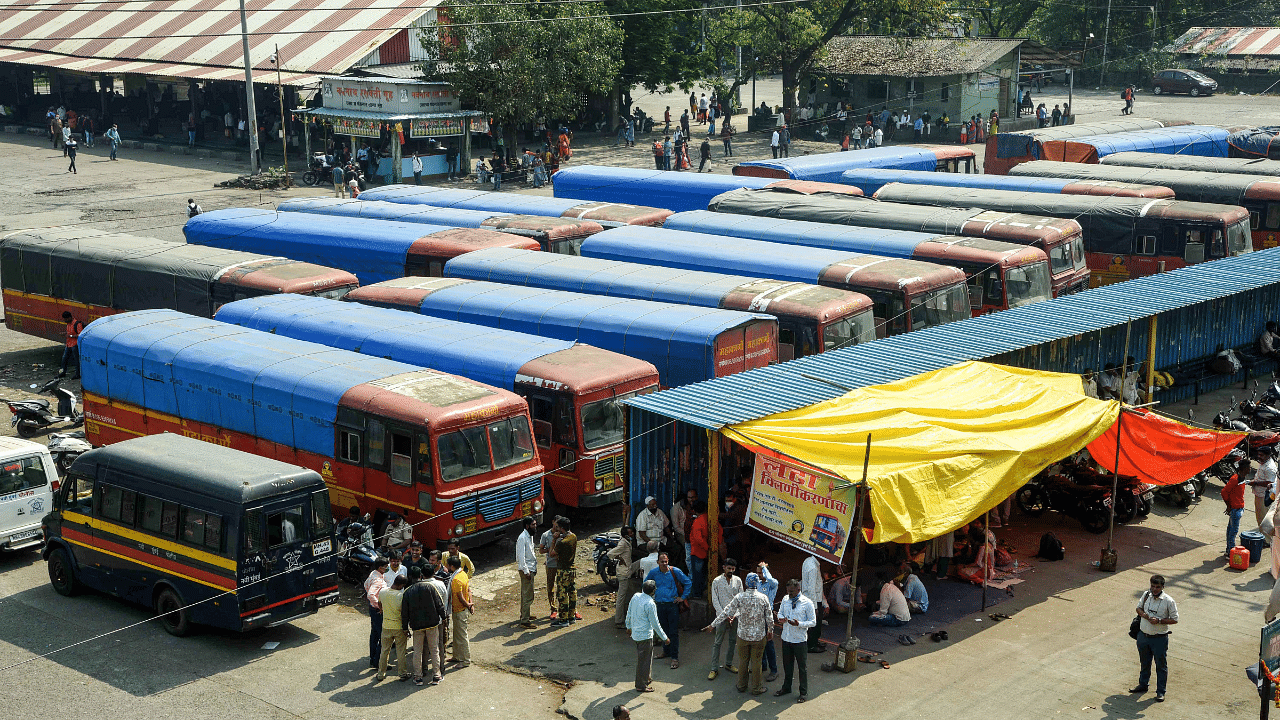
pixel 595 277
pixel 661 188
pixel 679 340
pixel 847 239
pixel 827 167
pixel 472 199
pixel 374 250
pixel 869 180
pixel 699 251
pixel 483 354
pixel 275 388
pixel 1205 140
pixel 396 212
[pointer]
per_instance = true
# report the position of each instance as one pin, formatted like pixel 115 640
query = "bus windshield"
pixel 334 293
pixel 1060 256
pixel 510 441
pixel 1027 284
pixel 465 453
pixel 1238 238
pixel 849 331
pixel 940 307
pixel 1077 249
pixel 602 422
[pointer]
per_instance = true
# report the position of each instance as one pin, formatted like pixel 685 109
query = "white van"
pixel 27 483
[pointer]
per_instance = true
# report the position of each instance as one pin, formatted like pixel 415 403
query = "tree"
pixel 659 51
pixel 1003 19
pixel 520 61
pixel 789 37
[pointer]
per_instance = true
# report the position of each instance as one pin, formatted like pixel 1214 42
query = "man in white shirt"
pixel 1263 482
pixel 1267 341
pixel 527 565
pixel 755 625
pixel 723 589
pixel 642 621
pixel 1157 611
pixel 373 585
pixel 395 568
pixel 811 586
pixel 796 614
pixel 398 534
pixel 651 524
pixel 628 584
pixel 417 169
pixel 1090 384
pixel 893 611
pixel 773 144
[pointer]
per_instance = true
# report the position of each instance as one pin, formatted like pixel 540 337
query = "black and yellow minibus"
pixel 202 533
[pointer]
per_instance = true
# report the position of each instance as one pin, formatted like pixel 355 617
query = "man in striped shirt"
pixel 755 625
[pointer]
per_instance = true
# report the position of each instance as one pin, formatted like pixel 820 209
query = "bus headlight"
pixel 537 506
pixel 457 529
pixel 599 484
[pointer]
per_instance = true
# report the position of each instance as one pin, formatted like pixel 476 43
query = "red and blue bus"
pixel 906 294
pixel 1059 239
pixel 608 214
pixel 686 344
pixel 454 457
pixel 678 191
pixel 811 318
pixel 827 167
pixel 870 180
pixel 556 235
pixel 1124 238
pixel 372 250
pixel 1001 275
pixel 1006 149
pixel 574 391
pixel 1200 140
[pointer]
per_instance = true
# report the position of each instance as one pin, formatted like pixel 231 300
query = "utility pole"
pixel 739 72
pixel 252 120
pixel 284 128
pixel 1106 32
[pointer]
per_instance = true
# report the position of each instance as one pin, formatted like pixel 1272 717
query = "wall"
pixel 854 89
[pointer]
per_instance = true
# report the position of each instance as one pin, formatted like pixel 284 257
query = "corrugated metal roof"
pixel 912 57
pixel 202 40
pixel 787 386
pixel 1228 41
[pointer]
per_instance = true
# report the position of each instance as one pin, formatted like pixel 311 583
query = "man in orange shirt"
pixel 461 605
pixel 1233 496
pixel 71 352
pixel 699 547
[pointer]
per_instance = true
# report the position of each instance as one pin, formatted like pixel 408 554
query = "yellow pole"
pixel 713 508
pixel 1151 358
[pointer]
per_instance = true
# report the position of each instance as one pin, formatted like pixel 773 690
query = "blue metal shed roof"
pixel 827 167
pixel 483 354
pixel 845 238
pixel 374 250
pixel 699 251
pixel 1204 140
pixel 870 180
pixel 594 276
pixel 660 188
pixel 787 386
pixel 472 200
pixel 396 212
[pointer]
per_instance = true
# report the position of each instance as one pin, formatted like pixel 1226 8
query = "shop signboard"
pixel 1269 648
pixel 435 127
pixel 800 507
pixel 393 98
pixel 357 127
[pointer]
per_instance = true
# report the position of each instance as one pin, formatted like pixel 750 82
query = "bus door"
pixel 77 506
pixel 1146 246
pixel 1193 240
pixel 278 551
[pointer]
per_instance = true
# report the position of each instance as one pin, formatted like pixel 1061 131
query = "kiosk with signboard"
pixel 404 112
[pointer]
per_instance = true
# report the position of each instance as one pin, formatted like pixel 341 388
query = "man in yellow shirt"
pixel 462 607
pixel 393 631
pixel 454 551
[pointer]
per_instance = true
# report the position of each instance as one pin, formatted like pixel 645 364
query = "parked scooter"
pixel 1089 504
pixel 357 556
pixel 66 447
pixel 607 568
pixel 320 171
pixel 32 416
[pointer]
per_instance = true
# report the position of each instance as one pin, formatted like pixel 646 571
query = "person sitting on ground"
pixel 894 611
pixel 917 596
pixel 840 596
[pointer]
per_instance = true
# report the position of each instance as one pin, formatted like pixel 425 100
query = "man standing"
pixel 422 609
pixel 784 142
pixel 393 630
pixel 651 524
pixel 811 586
pixel 642 621
pixel 699 547
pixel 622 555
pixel 668 152
pixel 724 589
pixel 71 350
pixel 682 513
pixel 372 586
pixel 704 154
pixel 545 544
pixel 796 615
pixel 1233 496
pixel 566 550
pixel 673 586
pixel 339 181
pixel 768 588
pixel 755 625
pixel 451 159
pixel 773 144
pixel 1263 482
pixel 1157 612
pixel 455 550
pixel 113 135
pixel 684 124
pixel 527 565
pixel 918 127
pixel 417 169
pixel 460 600
pixel 666 119
pixel 70 147
pixel 415 558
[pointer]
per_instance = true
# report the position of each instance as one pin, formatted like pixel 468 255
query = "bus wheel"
pixel 173 616
pixel 62 574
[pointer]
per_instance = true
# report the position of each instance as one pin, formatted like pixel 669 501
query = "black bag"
pixel 1050 548
pixel 1136 626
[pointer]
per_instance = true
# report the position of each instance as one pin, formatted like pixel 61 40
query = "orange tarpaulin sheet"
pixel 1160 451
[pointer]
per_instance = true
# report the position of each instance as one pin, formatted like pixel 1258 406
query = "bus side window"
pixel 425 474
pixel 1255 219
pixel 321 514
pixel 285 526
pixel 1273 216
pixel 542 411
pixel 350 437
pixel 1170 242
pixel 401 458
pixel 376 433
pixel 77 495
pixel 1146 245
pixel 565 432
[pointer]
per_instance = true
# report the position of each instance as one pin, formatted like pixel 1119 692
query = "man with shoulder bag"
pixel 1156 612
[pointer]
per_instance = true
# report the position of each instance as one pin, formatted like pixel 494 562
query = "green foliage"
pixel 661 51
pixel 1003 18
pixel 520 61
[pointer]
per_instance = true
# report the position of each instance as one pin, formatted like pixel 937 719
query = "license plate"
pixel 608 483
pixel 469 525
pixel 321 548
pixel 325 600
pixel 24 535
pixel 1148 495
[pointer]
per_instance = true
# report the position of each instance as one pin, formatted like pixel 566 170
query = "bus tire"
pixel 173 616
pixel 62 574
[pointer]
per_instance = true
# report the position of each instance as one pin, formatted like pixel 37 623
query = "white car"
pixel 28 480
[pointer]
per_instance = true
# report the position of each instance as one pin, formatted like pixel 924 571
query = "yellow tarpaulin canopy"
pixel 946 446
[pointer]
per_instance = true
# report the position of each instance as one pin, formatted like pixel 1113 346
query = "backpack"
pixel 1050 548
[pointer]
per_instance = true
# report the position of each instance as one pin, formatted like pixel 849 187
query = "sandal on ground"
pixel 675 664
pixel 884 664
pixel 801 699
pixel 780 693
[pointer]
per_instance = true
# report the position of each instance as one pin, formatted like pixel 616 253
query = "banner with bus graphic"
pixel 801 507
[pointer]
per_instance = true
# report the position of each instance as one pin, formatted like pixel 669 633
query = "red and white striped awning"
pixel 1229 41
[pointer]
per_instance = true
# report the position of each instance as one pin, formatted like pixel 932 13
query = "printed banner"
pixel 435 127
pixel 357 128
pixel 801 508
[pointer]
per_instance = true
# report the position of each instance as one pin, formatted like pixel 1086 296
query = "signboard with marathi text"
pixel 356 127
pixel 387 97
pixel 435 127
pixel 1269 648
pixel 801 508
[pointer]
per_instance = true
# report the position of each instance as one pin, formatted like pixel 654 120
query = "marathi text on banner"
pixel 435 127
pixel 801 508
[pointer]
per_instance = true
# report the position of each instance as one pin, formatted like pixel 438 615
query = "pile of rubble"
pixel 268 179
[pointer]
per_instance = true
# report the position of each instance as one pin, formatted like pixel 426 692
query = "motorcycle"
pixel 1180 494
pixel 357 557
pixel 605 567
pixel 32 416
pixel 320 171
pixel 1089 504
pixel 1133 499
pixel 66 447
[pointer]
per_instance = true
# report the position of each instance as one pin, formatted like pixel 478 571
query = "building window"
pixel 877 90
pixel 945 93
